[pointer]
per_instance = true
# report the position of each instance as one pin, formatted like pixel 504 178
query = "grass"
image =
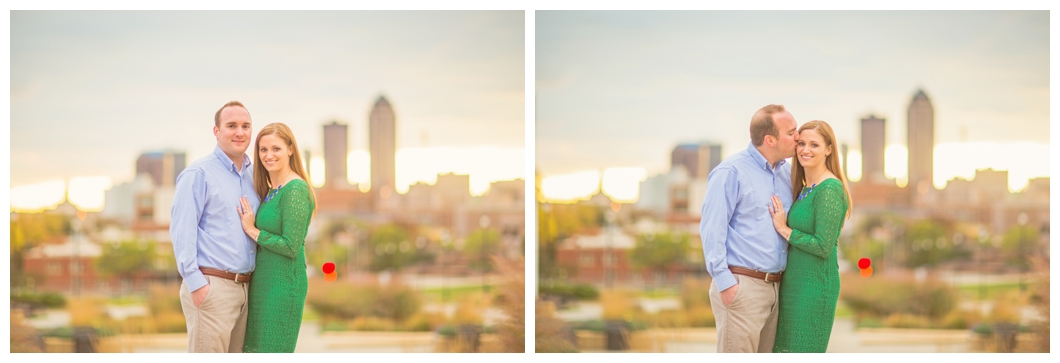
pixel 991 292
pixel 842 311
pixel 660 293
pixel 308 315
pixel 452 293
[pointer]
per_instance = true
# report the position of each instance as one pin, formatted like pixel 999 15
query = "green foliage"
pixel 578 291
pixel 659 251
pixel 40 300
pixel 556 222
pixel 126 258
pixel 479 246
pixel 347 301
pixel 1019 244
pixel 929 243
pixel 393 247
pixel 883 297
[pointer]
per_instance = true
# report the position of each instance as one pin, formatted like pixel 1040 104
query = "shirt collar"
pixel 761 159
pixel 228 161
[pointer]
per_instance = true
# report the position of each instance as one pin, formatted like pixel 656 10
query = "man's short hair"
pixel 762 124
pixel 217 116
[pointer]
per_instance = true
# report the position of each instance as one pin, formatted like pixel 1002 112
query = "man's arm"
pixel 718 207
pixel 189 200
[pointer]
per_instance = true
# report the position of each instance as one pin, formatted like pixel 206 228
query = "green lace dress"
pixel 810 289
pixel 279 285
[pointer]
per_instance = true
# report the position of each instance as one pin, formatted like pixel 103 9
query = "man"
pixel 744 254
pixel 214 256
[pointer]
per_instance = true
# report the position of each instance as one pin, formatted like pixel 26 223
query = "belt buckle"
pixel 237 277
pixel 767 277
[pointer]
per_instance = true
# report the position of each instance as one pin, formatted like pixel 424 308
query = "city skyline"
pixel 698 76
pixel 138 81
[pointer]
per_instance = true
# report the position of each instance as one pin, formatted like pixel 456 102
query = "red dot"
pixel 329 267
pixel 864 263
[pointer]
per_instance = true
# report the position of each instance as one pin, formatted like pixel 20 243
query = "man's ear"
pixel 216 130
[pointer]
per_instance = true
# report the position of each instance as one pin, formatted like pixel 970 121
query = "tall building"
pixel 335 152
pixel 382 144
pixel 163 166
pixel 921 143
pixel 873 130
pixel 698 159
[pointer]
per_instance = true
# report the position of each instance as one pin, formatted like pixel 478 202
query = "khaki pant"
pixel 219 324
pixel 749 323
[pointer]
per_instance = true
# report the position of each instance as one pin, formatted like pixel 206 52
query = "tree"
pixel 395 248
pixel 929 244
pixel 1018 244
pixel 659 251
pixel 127 258
pixel 479 246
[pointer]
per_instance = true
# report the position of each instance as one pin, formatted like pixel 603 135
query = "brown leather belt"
pixel 766 276
pixel 225 274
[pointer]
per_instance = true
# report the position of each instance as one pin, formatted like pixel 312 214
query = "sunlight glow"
pixel 316 171
pixel 854 168
pixel 37 197
pixel 87 192
pixel 569 188
pixel 483 165
pixel 896 164
pixel 623 184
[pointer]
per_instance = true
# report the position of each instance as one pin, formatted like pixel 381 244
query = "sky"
pixel 91 91
pixel 620 89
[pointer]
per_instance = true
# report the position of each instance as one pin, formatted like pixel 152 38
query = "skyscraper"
pixel 698 159
pixel 163 166
pixel 382 144
pixel 335 152
pixel 873 130
pixel 921 143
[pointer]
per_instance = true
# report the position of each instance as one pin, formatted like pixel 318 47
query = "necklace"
pixel 273 192
pixel 806 191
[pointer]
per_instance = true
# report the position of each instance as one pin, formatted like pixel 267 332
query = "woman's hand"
pixel 780 218
pixel 246 218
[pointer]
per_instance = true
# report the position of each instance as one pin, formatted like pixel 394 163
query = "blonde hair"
pixel 262 182
pixel 798 177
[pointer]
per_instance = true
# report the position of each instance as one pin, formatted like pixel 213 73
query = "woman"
pixel 278 292
pixel 810 290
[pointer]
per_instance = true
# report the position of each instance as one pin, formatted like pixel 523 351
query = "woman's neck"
pixel 279 177
pixel 815 175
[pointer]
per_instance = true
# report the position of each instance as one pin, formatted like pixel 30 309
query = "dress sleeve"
pixel 296 209
pixel 829 210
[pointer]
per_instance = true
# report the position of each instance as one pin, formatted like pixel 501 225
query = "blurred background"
pixel 942 121
pixel 411 125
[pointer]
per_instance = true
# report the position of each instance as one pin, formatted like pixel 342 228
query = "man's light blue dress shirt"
pixel 736 226
pixel 205 226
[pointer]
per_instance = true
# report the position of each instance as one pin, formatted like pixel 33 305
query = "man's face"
pixel 233 136
pixel 785 123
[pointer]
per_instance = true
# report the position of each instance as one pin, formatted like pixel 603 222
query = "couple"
pixel 751 240
pixel 219 244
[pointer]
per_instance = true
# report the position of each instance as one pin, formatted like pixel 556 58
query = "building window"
pixel 608 259
pixel 75 268
pixel 54 268
pixel 586 260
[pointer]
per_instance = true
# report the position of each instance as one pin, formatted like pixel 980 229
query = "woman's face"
pixel 274 153
pixel 811 149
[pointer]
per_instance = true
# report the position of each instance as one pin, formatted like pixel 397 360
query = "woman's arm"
pixel 829 210
pixel 296 209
